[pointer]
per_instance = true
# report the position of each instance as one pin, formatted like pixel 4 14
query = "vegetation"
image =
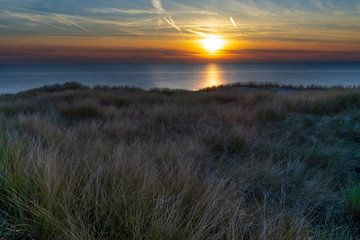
pixel 353 202
pixel 233 162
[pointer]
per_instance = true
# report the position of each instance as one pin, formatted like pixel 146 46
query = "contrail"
pixel 206 29
pixel 131 31
pixel 35 18
pixel 157 5
pixel 119 10
pixel 233 22
pixel 159 22
pixel 171 22
pixel 196 32
pixel 69 22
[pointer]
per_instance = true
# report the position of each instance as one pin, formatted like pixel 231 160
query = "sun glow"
pixel 213 43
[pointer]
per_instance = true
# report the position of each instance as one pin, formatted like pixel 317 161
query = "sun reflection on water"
pixel 213 76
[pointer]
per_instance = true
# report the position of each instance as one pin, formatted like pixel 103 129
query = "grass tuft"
pixel 353 198
pixel 82 111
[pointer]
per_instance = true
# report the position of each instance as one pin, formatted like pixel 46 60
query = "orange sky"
pixel 126 49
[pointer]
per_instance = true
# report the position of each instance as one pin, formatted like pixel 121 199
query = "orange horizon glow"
pixel 204 48
pixel 184 48
pixel 114 49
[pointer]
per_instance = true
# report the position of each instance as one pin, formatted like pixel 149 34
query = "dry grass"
pixel 240 162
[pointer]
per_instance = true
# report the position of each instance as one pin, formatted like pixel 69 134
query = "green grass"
pixel 232 162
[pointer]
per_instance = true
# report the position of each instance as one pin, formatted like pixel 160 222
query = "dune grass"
pixel 239 162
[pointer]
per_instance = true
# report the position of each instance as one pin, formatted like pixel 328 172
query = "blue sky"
pixel 92 17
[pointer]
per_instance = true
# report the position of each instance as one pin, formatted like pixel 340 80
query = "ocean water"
pixel 15 78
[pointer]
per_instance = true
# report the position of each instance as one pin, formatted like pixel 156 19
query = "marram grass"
pixel 234 162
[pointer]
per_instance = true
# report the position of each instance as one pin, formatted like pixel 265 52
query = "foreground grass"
pixel 255 162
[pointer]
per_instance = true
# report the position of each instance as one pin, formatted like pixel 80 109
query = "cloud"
pixel 233 22
pixel 131 31
pixel 61 21
pixel 157 5
pixel 124 11
pixel 199 33
pixel 61 54
pixel 171 22
pixel 201 12
pixel 149 11
pixel 34 18
pixel 51 20
pixel 68 54
pixel 65 20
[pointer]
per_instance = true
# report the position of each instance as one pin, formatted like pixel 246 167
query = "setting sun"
pixel 213 43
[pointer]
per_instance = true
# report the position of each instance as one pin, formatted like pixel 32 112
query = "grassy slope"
pixel 226 163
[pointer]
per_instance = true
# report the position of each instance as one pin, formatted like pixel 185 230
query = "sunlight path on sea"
pixel 212 76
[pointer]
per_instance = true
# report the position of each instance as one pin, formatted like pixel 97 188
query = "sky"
pixel 101 31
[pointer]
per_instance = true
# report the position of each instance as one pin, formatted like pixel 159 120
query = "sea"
pixel 15 78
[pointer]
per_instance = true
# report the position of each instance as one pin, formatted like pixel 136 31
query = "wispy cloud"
pixel 61 54
pixel 171 22
pixel 61 21
pixel 33 18
pixel 67 21
pixel 199 33
pixel 151 11
pixel 55 20
pixel 131 31
pixel 157 6
pixel 233 22
pixel 201 12
pixel 124 11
